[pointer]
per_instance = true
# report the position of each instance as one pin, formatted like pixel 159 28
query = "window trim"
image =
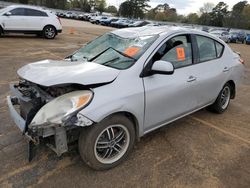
pixel 192 51
pixel 214 40
pixel 26 14
pixel 147 66
pixel 42 12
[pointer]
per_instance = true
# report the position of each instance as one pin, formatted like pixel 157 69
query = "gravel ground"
pixel 200 150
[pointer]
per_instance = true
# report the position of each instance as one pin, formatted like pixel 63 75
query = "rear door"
pixel 210 69
pixel 35 19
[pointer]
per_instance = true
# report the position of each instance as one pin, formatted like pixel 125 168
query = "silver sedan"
pixel 122 86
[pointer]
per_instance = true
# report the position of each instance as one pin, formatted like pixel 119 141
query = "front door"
pixel 170 96
pixel 16 21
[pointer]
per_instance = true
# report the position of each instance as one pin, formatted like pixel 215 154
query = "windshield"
pixel 114 51
pixel 2 10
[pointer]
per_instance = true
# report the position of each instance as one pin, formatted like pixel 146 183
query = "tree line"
pixel 212 15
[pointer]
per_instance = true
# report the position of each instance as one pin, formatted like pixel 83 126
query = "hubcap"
pixel 111 144
pixel 225 97
pixel 50 32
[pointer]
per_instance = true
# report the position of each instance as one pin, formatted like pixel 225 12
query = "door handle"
pixel 191 78
pixel 226 69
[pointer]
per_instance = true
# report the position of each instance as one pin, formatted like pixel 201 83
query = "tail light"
pixel 59 20
pixel 242 61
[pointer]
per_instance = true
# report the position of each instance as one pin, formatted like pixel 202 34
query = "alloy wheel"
pixel 111 144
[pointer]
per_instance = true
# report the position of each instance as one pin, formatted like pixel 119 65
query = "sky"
pixel 183 6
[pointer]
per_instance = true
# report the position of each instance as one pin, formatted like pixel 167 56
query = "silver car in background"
pixel 223 35
pixel 120 87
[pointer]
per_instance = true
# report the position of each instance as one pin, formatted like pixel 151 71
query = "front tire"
pixel 108 143
pixel 223 100
pixel 49 32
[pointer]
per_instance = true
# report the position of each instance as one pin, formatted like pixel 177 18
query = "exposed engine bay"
pixel 31 98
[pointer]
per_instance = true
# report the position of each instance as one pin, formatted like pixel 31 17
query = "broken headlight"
pixel 62 107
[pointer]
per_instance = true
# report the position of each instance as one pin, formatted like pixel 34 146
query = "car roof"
pixel 26 6
pixel 152 30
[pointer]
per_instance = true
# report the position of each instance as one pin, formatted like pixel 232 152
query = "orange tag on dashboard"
pixel 131 51
pixel 180 54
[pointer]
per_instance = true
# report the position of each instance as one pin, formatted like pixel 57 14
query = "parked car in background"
pixel 108 21
pixel 29 20
pixel 248 39
pixel 89 98
pixel 125 23
pixel 139 23
pixel 69 15
pixel 237 36
pixel 90 16
pixel 97 19
pixel 223 35
pixel 100 19
pixel 117 23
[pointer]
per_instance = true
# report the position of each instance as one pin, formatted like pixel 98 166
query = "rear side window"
pixel 207 49
pixel 32 12
pixel 18 12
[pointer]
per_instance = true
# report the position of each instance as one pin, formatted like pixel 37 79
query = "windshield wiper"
pixel 123 54
pixel 99 54
pixel 110 61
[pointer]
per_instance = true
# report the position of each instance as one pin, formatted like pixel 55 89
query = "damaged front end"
pixel 49 113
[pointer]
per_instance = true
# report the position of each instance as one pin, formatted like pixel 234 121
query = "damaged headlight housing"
pixel 62 107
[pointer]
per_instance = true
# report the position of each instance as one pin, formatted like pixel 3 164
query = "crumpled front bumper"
pixel 19 121
pixel 59 133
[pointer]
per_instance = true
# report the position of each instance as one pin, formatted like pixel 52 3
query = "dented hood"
pixel 50 73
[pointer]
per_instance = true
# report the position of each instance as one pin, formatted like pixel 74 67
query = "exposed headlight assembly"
pixel 62 107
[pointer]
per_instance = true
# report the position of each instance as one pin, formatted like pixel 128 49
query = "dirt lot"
pixel 201 150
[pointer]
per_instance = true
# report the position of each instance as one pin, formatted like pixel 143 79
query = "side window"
pixel 177 50
pixel 207 50
pixel 219 49
pixel 32 12
pixel 18 12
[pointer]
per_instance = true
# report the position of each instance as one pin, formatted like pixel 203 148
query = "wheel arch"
pixel 51 26
pixel 132 118
pixel 233 89
pixel 1 29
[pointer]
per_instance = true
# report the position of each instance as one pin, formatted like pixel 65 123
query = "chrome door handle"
pixel 191 78
pixel 226 69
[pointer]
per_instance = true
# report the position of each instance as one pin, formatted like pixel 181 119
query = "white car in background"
pixel 223 35
pixel 29 20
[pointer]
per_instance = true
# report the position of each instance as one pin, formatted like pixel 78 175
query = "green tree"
pixel 218 14
pixel 236 18
pixel 135 8
pixel 192 18
pixel 246 17
pixel 111 9
pixel 205 19
pixel 101 5
pixel 126 9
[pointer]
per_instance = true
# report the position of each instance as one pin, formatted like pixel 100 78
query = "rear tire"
pixel 107 144
pixel 49 32
pixel 223 100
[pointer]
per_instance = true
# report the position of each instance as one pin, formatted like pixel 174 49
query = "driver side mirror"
pixel 7 14
pixel 162 67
